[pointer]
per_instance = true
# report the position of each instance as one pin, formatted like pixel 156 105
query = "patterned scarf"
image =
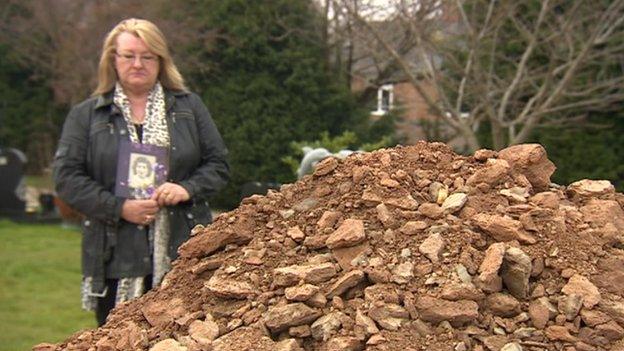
pixel 155 132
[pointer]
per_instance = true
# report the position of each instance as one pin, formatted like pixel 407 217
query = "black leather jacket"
pixel 85 169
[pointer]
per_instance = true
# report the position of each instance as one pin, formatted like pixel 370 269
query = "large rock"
pixel 296 234
pixel 461 291
pixel 280 318
pixel 132 337
pixel 324 327
pixel 580 285
pixel 204 332
pixel 502 228
pixel 389 316
pixel 455 312
pixel 570 306
pixel 160 313
pixel 592 317
pixel 370 196
pixel 494 172
pixel 413 227
pixel 455 202
pixel 611 330
pixel 310 273
pixel 301 292
pixel 502 305
pixel 406 202
pixel 611 276
pixel 532 161
pixel 590 188
pixel 366 323
pixel 229 288
pixel 438 192
pixel 345 282
pixel 328 219
pixel 559 333
pixel 602 212
pixel 432 247
pixel 615 309
pixel 431 210
pixel 546 199
pixel 483 154
pixel 325 166
pixel 541 311
pixel 488 279
pixel 350 233
pixel 516 271
pixel 240 231
pixel 403 273
pixel 347 257
pixel 385 216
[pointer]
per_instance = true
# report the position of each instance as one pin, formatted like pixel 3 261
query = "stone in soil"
pixel 350 233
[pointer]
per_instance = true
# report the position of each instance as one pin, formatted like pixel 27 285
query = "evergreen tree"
pixel 269 86
pixel 593 151
pixel 27 118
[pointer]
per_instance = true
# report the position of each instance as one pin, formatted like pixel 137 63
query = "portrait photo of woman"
pixel 141 173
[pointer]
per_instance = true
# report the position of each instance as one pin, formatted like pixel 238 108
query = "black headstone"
pixel 12 189
pixel 252 188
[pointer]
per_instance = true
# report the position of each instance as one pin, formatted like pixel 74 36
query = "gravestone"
pixel 12 188
pixel 257 188
pixel 311 157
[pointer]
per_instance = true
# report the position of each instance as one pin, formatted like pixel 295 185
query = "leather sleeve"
pixel 72 181
pixel 213 172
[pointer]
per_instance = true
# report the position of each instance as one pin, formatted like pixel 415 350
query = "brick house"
pixel 394 92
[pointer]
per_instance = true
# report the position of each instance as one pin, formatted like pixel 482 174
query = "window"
pixel 385 99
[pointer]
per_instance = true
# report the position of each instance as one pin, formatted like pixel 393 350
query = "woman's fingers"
pixel 170 194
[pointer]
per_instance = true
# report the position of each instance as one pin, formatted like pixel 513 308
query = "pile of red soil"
pixel 410 248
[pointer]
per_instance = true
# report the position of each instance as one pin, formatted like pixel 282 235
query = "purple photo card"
pixel 141 168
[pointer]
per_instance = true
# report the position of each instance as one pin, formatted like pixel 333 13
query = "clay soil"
pixel 409 248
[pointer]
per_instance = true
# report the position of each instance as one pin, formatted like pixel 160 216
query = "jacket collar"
pixel 171 95
pixel 106 99
pixel 103 100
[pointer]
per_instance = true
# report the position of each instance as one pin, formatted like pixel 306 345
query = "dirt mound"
pixel 411 248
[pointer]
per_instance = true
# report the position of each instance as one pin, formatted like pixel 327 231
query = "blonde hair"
pixel 168 73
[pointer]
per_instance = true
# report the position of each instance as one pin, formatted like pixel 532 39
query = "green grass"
pixel 39 181
pixel 39 285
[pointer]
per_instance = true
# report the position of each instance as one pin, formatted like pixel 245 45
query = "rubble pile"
pixel 410 248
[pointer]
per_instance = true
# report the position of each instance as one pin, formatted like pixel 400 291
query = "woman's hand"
pixel 139 211
pixel 170 194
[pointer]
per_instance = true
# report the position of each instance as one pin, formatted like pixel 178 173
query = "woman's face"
pixel 142 169
pixel 137 67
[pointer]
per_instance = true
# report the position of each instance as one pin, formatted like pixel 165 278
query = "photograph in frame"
pixel 140 170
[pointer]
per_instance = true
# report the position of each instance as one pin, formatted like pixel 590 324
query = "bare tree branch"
pixel 521 70
pixel 517 64
pixel 469 61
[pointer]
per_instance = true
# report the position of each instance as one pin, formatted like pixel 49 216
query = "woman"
pixel 128 243
pixel 141 173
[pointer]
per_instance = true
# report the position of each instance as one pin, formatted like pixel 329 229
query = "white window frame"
pixel 389 89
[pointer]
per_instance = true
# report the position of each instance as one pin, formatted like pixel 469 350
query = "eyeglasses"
pixel 131 58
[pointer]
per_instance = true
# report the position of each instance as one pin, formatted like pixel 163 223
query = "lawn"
pixel 39 285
